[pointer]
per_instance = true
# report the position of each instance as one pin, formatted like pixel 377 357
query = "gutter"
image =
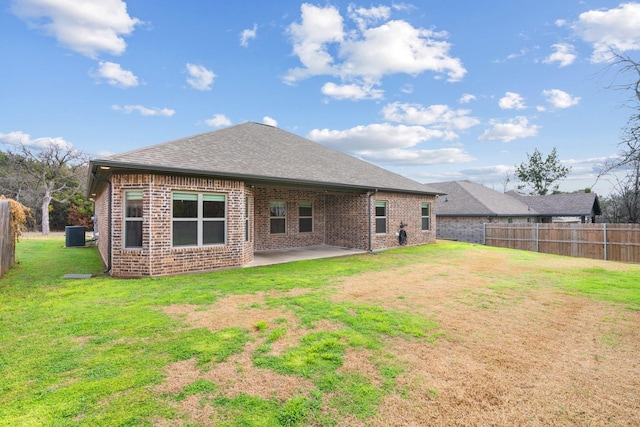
pixel 253 179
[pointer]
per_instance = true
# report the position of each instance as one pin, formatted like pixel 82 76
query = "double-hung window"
pixel 277 217
pixel 133 219
pixel 199 219
pixel 381 217
pixel 425 216
pixel 305 217
pixel 247 234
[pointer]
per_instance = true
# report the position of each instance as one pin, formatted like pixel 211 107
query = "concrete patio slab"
pixel 281 256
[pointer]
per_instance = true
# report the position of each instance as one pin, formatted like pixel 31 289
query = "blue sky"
pixel 432 90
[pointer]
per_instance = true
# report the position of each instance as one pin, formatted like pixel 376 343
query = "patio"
pixel 281 256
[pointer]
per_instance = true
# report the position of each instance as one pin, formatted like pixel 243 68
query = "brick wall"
pixel 347 224
pixel 157 257
pixel 471 229
pixel 292 238
pixel 339 219
pixel 404 208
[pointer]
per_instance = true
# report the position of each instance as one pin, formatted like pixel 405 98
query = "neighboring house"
pixel 571 207
pixel 467 206
pixel 211 200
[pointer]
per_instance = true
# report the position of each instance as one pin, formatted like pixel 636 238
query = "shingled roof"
pixel 571 204
pixel 465 198
pixel 258 153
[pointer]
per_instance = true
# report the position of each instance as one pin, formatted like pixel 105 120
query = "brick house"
pixel 211 200
pixel 467 206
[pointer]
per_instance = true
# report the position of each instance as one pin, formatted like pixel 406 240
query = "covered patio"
pixel 281 256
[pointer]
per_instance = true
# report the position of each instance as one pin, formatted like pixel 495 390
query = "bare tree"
pixel 625 198
pixel 623 204
pixel 58 172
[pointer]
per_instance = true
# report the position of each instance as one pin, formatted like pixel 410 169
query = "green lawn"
pixel 92 351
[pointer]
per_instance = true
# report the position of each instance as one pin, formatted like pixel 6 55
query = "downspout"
pixel 371 193
pixel 109 217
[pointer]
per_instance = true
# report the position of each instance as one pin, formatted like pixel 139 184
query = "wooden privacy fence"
pixel 7 250
pixel 613 242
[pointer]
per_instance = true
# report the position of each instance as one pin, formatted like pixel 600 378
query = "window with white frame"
pixel 198 219
pixel 133 219
pixel 425 213
pixel 277 217
pixel 381 217
pixel 247 235
pixel 305 217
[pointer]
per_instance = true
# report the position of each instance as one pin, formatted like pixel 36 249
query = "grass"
pixel 92 351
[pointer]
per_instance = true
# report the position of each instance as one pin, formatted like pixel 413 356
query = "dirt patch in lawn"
pixel 524 354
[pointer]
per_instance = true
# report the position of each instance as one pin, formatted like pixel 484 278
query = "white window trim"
pixel 278 217
pixel 200 220
pixel 309 216
pixel 386 217
pixel 126 219
pixel 428 216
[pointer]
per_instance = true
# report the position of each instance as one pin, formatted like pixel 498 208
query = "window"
pixel 425 216
pixel 133 219
pixel 199 219
pixel 246 220
pixel 305 217
pixel 381 217
pixel 277 214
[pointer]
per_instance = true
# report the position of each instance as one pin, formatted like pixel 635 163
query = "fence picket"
pixel 614 242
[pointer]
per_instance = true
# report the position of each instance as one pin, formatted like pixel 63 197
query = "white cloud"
pixel 144 111
pixel 375 137
pixel 115 75
pixel 366 53
pixel 511 101
pixel 467 98
pixel 351 91
pixel 86 27
pixel 607 29
pixel 398 47
pixel 560 99
pixel 516 128
pixel 365 17
pixel 218 120
pixel 199 77
pixel 319 27
pixel 437 116
pixel 406 157
pixel 391 144
pixel 407 88
pixel 491 172
pixel 247 35
pixel 564 54
pixel 269 121
pixel 21 138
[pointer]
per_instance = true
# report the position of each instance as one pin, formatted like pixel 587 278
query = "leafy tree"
pixel 56 171
pixel 541 175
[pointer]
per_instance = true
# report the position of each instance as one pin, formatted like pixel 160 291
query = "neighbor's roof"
pixel 465 198
pixel 571 204
pixel 258 153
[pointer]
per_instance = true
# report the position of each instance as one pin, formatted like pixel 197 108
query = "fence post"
pixel 605 240
pixel 537 237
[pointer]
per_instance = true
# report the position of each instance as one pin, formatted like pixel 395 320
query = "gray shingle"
pixel 571 204
pixel 465 198
pixel 258 152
